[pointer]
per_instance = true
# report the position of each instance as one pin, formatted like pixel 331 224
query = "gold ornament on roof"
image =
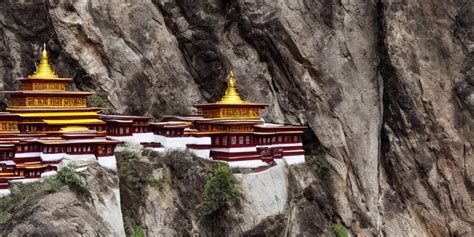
pixel 44 69
pixel 231 95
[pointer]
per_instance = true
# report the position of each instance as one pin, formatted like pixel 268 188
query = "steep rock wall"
pixel 66 212
pixel 385 87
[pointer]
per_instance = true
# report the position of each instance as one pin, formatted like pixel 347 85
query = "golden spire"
pixel 44 69
pixel 231 95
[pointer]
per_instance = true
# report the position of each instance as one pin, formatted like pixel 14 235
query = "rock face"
pixel 66 212
pixel 385 87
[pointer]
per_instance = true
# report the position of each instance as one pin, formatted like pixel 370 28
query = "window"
pixel 127 130
pixel 224 141
pixel 280 139
pixel 241 139
pixel 247 140
pixel 69 149
pixel 233 140
pixel 121 130
pixel 217 141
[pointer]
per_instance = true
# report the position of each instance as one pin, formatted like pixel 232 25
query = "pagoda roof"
pixel 123 117
pixel 119 121
pixel 7 114
pixel 221 105
pixel 41 92
pixel 43 110
pixel 46 79
pixel 58 114
pixel 72 121
pixel 171 124
pixel 78 141
pixel 188 118
pixel 230 121
pixel 281 126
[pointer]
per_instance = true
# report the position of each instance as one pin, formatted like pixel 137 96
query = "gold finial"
pixel 231 95
pixel 44 69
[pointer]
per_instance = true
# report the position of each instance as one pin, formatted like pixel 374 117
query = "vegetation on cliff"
pixel 24 193
pixel 220 191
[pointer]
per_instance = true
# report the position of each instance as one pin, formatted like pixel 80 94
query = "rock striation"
pixel 385 86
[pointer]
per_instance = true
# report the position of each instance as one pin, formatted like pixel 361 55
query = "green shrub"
pixel 340 230
pixel 132 228
pixel 75 180
pixel 138 231
pixel 219 191
pixel 135 173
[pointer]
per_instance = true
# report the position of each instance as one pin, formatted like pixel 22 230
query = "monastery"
pixel 46 125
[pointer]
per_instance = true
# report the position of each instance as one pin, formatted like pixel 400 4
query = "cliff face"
pixel 386 87
pixel 41 211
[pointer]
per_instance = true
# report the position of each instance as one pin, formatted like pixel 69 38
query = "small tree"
pixel 219 191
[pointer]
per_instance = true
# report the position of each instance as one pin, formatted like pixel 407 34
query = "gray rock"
pixel 384 86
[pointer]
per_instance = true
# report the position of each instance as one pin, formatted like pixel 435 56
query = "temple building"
pixel 229 130
pixel 47 125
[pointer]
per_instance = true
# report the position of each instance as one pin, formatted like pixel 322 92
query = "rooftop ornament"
pixel 231 95
pixel 44 69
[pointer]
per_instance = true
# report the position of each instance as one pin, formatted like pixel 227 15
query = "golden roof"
pixel 44 69
pixel 231 95
pixel 72 121
pixel 59 114
pixel 74 129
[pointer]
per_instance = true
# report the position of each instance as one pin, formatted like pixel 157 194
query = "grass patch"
pixel 340 230
pixel 219 191
pixel 75 180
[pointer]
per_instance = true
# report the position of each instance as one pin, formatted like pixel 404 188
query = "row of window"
pixel 232 140
pixel 248 140
pixel 5 155
pixel 127 130
pixel 28 148
pixel 101 150
pixel 166 133
pixel 277 139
